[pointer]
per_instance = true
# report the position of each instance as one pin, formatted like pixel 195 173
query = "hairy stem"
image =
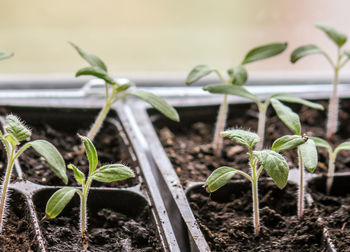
pixel 330 174
pixel 6 182
pixel 261 125
pixel 301 185
pixel 220 126
pixel 333 107
pixel 256 218
pixel 83 212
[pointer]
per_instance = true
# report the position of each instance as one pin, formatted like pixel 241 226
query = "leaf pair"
pixel 321 143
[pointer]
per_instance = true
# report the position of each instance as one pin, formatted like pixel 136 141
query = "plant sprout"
pixel 274 164
pixel 339 39
pixel 106 173
pixel 332 155
pixel 15 133
pixel 4 55
pixel 234 86
pixel 307 152
pixel 116 91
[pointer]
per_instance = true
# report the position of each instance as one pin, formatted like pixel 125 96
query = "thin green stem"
pixel 10 163
pixel 344 63
pixel 330 174
pixel 260 170
pixel 301 185
pixel 256 217
pixel 329 59
pixel 220 126
pixel 220 76
pixel 21 150
pixel 332 122
pixel 99 120
pixel 245 175
pixel 83 212
pixel 261 125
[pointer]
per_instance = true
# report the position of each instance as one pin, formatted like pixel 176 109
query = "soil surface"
pixel 335 211
pixel 225 218
pixel 108 230
pixel 18 234
pixel 188 143
pixel 109 145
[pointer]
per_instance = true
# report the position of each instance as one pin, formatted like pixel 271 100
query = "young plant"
pixel 106 173
pixel 4 55
pixel 116 91
pixel 342 58
pixel 274 164
pixel 238 76
pixel 332 155
pixel 15 133
pixel 307 152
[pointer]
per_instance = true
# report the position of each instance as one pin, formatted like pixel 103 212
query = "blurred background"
pixel 163 36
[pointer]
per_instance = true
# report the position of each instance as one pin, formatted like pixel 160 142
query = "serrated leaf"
pixel 309 155
pixel 97 72
pixel 342 147
pixel 243 137
pixel 321 143
pixel 52 157
pixel 93 60
pixel 219 178
pixel 294 99
pixel 287 142
pixel 91 153
pixel 264 52
pixel 16 128
pixel 275 165
pixel 197 73
pixel 4 55
pixel 58 201
pixel 238 74
pixel 79 176
pixel 287 116
pixel 158 103
pixel 336 36
pixel 113 172
pixel 303 51
pixel 231 90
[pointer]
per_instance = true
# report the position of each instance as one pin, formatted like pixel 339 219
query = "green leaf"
pixel 113 172
pixel 52 156
pixel 238 75
pixel 347 53
pixel 321 143
pixel 16 128
pixel 97 72
pixel 244 137
pixel 93 60
pixel 91 153
pixel 219 178
pixel 79 176
pixel 197 73
pixel 287 142
pixel 295 99
pixel 309 155
pixel 287 116
pixel 231 90
pixel 123 87
pixel 303 51
pixel 58 201
pixel 275 165
pixel 12 140
pixel 158 103
pixel 342 147
pixel 336 36
pixel 264 52
pixel 4 55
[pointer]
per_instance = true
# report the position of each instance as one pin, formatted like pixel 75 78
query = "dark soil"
pixel 18 234
pixel 335 211
pixel 225 219
pixel 108 230
pixel 188 142
pixel 108 143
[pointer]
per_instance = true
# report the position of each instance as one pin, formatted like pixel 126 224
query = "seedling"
pixel 4 55
pixel 15 133
pixel 274 164
pixel 332 155
pixel 238 76
pixel 106 173
pixel 116 91
pixel 342 59
pixel 307 152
